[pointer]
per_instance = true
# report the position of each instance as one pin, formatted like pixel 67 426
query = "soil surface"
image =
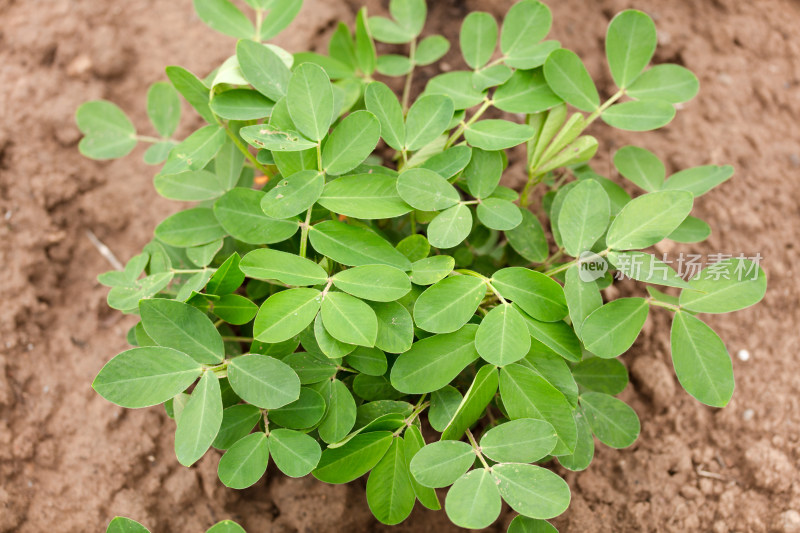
pixel 69 460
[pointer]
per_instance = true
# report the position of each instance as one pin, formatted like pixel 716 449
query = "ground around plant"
pixel 69 460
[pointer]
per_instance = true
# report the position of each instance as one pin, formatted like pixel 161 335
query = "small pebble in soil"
pixel 743 355
pixel 747 415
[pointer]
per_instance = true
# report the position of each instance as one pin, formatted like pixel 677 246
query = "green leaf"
pixel 237 422
pixel 526 394
pixel 395 327
pixel 499 214
pixel 441 463
pixel 582 457
pixel 226 526
pixel 431 49
pixel 531 490
pixel 699 180
pixel 528 239
pixel 125 525
pixel 388 31
pixel 538 295
pixel 394 65
pixel 191 186
pixel 426 190
pixel 223 16
pixel 287 268
pixel 234 309
pixel 285 314
pixel 365 49
pixel 108 132
pixel 612 421
pixel 428 118
pixel 473 501
pixel 281 14
pixel 478 38
pixel 241 104
pixel 355 246
pixel 381 101
pixel 350 142
pixel 691 230
pixel 568 78
pixel 444 404
pixel 340 416
pixel 701 361
pixel 725 286
pixel 433 362
pixel 329 346
pixel 640 166
pixel 450 227
pixel 263 381
pixel 472 407
pixel 365 196
pixel 353 459
pixel 295 454
pixel 413 443
pixel 641 115
pixel 630 43
pixel 182 327
pixel 645 267
pixel 369 361
pixel 239 211
pixel 302 413
pixel 554 369
pixel 582 297
pixel 502 337
pixel 380 283
pixel 200 420
pixel 228 165
pixel 227 278
pixel 263 68
pixel 523 524
pixel 496 134
pixel 449 304
pixel 163 108
pixel 524 440
pixel 525 24
pixel 557 336
pixel 611 329
pixel 192 89
pixel 311 367
pixel 191 227
pixel 431 269
pixel 145 376
pixel 202 256
pixel 245 462
pixel 525 92
pixel 670 83
pixel 491 76
pixel 648 219
pixel 409 14
pixel 349 319
pixel 583 217
pixel 458 86
pixel 390 494
pixel 293 195
pixel 157 153
pixel 415 247
pixel 126 298
pixel 271 137
pixel 310 101
pixel 601 375
pixel 195 151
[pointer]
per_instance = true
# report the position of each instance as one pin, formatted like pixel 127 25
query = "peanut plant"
pixel 354 293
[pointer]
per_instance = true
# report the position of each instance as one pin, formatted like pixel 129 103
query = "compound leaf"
pixel 108 132
pixel 525 24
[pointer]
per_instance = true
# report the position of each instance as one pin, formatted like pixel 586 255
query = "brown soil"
pixel 69 461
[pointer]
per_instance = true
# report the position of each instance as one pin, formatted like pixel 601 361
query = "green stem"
pixel 304 233
pixel 149 139
pixel 477 449
pixel 410 76
pixel 487 103
pixel 191 270
pixel 237 339
pixel 242 148
pixel 599 111
pixel 566 266
pixel 665 305
pixel 259 21
pixel 413 416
